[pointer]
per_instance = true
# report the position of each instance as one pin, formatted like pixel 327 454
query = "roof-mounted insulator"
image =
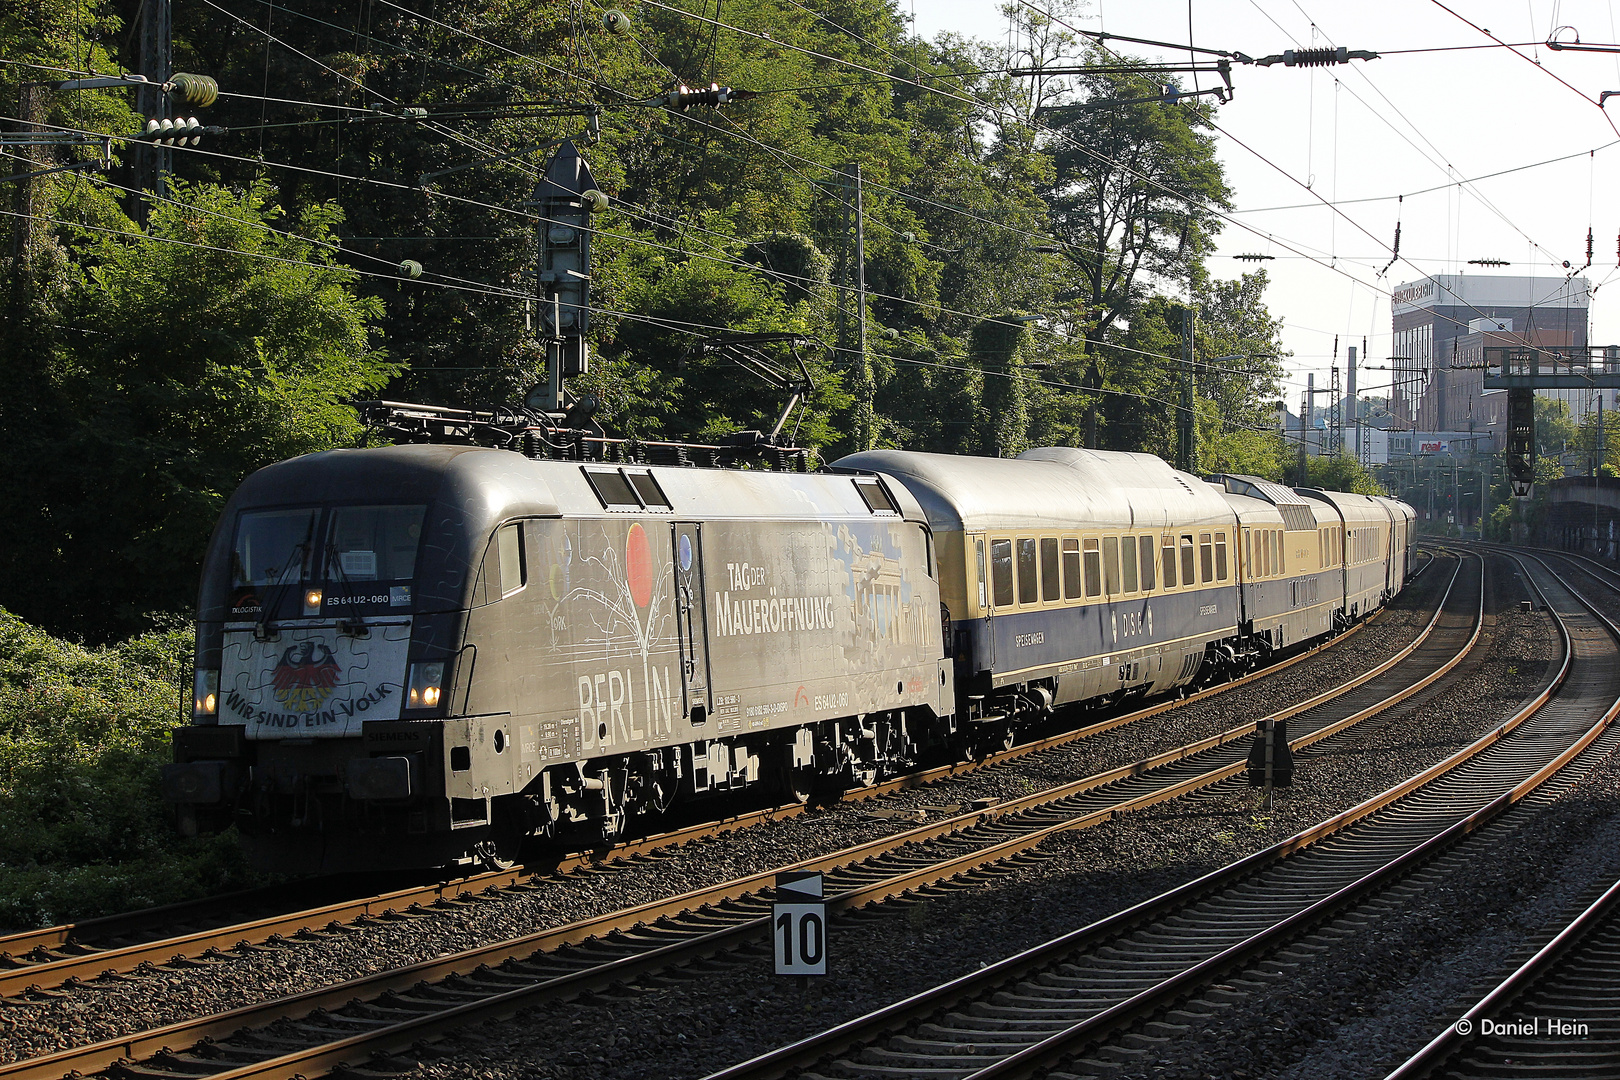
pixel 1316 57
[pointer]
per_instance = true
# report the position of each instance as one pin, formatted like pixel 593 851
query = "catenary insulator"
pixel 200 90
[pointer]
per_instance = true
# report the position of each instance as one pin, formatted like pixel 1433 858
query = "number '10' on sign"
pixel 799 925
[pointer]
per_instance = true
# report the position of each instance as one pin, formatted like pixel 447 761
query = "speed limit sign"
pixel 799 925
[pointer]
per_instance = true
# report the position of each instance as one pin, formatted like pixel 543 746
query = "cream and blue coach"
pixel 1072 574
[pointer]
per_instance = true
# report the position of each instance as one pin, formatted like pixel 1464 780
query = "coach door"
pixel 692 624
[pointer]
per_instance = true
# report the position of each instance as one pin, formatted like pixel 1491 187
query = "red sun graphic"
pixel 638 566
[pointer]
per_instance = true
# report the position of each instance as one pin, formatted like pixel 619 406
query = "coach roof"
pixel 1055 487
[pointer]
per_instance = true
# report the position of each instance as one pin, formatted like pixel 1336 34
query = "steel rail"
pixel 19 974
pixel 739 894
pixel 1573 938
pixel 1055 1047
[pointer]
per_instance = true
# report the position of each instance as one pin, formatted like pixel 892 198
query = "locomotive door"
pixel 691 620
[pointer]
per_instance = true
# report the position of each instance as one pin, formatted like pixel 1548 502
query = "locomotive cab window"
pixel 273 547
pixel 876 496
pixel 373 543
pixel 510 548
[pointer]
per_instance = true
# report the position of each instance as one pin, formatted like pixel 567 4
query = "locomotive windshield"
pixel 309 562
pixel 273 547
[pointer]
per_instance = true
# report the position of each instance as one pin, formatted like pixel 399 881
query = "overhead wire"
pixel 633 239
pixel 1534 63
pixel 1295 180
pixel 1438 161
pixel 474 286
pixel 1089 151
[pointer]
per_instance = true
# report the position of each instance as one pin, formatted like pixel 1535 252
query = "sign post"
pixel 799 925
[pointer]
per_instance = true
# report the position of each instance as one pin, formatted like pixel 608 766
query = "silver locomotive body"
pixel 413 655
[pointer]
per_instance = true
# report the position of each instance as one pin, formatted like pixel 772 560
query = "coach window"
pixel 1093 568
pixel 1206 557
pixel 1220 556
pixel 1111 564
pixel 1049 568
pixel 984 582
pixel 1282 552
pixel 1072 581
pixel 1001 571
pixel 1168 560
pixel 1271 552
pixel 1127 559
pixel 1145 546
pixel 1189 573
pixel 1028 588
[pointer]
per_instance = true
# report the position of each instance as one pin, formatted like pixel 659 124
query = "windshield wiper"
pixel 355 626
pixel 266 629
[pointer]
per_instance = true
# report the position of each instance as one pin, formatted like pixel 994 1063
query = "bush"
pixel 83 735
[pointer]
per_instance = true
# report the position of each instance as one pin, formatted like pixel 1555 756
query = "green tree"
pixel 223 338
pixel 1337 472
pixel 1133 196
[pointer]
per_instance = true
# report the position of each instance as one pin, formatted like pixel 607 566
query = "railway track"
pixel 1556 1015
pixel 36 961
pixel 353 1022
pixel 1049 1007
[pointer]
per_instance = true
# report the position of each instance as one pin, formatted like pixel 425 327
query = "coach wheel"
pixel 998 737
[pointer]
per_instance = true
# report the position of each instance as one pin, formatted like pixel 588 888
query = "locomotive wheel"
pixel 493 856
pixel 801 784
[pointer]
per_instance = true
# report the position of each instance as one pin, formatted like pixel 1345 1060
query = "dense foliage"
pixel 82 829
pixel 1032 246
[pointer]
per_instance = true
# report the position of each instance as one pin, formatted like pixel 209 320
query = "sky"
pixel 1317 157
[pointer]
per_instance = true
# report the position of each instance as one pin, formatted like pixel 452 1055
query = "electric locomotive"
pixel 416 654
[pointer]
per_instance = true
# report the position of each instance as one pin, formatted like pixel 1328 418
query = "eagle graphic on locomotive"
pixel 431 653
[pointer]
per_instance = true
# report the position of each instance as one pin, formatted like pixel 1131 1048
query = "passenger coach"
pixel 1073 574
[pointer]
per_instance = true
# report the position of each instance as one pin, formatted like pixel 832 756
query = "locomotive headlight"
pixel 425 685
pixel 205 693
pixel 312 602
